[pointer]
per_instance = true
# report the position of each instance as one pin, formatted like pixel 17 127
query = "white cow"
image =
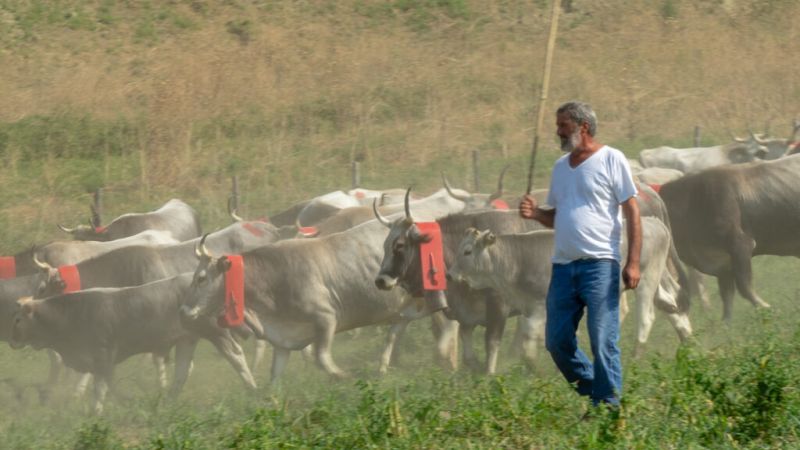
pixel 518 266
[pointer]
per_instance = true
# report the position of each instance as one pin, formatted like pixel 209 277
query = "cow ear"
pixel 488 238
pixel 224 264
pixel 26 306
pixel 471 231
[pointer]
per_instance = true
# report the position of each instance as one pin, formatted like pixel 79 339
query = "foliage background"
pixel 158 99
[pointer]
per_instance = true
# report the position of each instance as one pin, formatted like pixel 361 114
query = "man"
pixel 588 186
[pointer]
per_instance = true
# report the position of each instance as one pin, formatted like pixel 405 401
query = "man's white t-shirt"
pixel 588 221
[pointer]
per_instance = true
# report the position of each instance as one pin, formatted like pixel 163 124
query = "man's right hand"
pixel 527 206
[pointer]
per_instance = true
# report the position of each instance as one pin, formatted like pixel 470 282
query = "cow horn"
pixel 499 192
pixel 232 211
pixel 65 229
pixel 39 264
pixel 407 205
pixel 378 215
pixel 200 250
pixel 757 139
pixel 463 198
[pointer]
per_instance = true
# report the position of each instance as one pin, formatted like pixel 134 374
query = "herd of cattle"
pixel 151 282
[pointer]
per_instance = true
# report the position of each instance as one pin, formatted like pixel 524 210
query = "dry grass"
pixel 286 95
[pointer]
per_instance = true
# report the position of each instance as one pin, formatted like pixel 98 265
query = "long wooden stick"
pixel 548 62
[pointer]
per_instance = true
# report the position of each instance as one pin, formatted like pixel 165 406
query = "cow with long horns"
pixel 175 217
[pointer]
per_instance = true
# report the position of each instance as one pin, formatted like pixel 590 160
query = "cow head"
pixel 472 260
pixel 205 296
pixel 51 282
pixel 476 201
pixel 24 329
pixel 86 232
pixel 400 252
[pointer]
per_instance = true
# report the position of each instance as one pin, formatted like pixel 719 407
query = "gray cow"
pixel 692 160
pixel 95 329
pixel 518 266
pixel 724 216
pixel 175 217
pixel 401 267
pixel 59 253
pixel 305 291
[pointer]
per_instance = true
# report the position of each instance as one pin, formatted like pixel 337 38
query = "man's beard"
pixel 571 142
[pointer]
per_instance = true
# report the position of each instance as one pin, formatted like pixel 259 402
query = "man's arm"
pixel 528 209
pixel 631 274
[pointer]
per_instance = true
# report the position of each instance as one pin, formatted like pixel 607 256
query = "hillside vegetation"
pixel 153 100
pixel 158 99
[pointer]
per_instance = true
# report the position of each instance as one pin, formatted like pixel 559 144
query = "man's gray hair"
pixel 580 113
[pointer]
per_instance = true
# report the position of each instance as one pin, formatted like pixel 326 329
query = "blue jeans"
pixel 594 284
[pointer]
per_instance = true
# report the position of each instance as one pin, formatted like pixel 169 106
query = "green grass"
pixel 731 388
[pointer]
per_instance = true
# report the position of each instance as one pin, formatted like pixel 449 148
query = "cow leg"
pixel 326 328
pixel 100 392
pixel 697 286
pixel 666 302
pixel 159 361
pixel 445 331
pixel 623 307
pixel 280 357
pixel 530 334
pixel 83 384
pixel 258 356
pixel 645 310
pixel 396 331
pixel 727 289
pixel 232 351
pixel 496 316
pixel 468 352
pixel 184 354
pixel 56 364
pixel 743 270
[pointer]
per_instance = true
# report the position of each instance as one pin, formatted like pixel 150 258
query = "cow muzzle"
pixel 190 312
pixel 385 282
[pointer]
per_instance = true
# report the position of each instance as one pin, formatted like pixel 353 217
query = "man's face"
pixel 568 131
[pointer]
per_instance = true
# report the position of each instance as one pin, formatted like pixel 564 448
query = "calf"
pixel 95 329
pixel 518 266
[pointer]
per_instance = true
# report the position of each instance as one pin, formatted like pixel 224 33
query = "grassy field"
pixel 152 100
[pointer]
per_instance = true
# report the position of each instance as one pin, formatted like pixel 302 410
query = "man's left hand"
pixel 631 276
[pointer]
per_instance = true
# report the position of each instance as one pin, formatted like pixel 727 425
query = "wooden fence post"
pixel 355 175
pixel 475 171
pixel 235 193
pixel 697 136
pixel 97 208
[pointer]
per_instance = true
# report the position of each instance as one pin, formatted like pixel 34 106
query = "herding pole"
pixel 548 62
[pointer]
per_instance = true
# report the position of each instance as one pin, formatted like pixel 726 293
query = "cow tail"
pixel 684 299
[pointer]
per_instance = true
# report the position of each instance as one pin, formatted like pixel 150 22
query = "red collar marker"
pixel 234 294
pixel 431 256
pixel 499 204
pixel 253 229
pixel 71 278
pixel 308 231
pixel 8 267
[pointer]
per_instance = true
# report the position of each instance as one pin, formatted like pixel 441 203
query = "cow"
pixel 305 291
pixel 135 265
pixel 518 267
pixel 175 217
pixel 692 160
pixel 656 175
pixel 401 267
pixel 478 202
pixel 59 253
pixel 438 204
pixel 722 217
pixel 95 329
